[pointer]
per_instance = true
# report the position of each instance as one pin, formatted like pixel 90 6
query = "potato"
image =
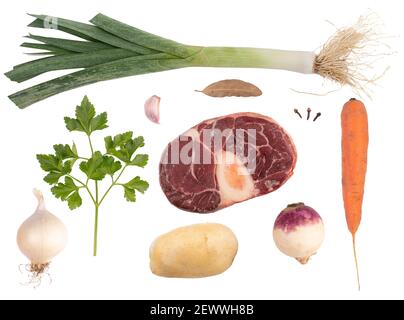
pixel 195 251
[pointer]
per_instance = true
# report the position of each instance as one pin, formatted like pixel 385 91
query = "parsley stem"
pixel 77 180
pixel 96 192
pixel 95 231
pixel 114 183
pixel 91 144
pixel 91 195
pixel 84 185
pixel 96 202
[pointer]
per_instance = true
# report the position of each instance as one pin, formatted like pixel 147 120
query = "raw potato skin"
pixel 195 251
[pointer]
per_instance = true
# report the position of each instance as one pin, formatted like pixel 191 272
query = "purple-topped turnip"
pixel 299 232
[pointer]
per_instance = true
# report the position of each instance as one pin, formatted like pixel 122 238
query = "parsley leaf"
pixel 130 194
pixel 56 164
pixel 53 177
pixel 69 192
pixel 64 152
pixel 86 119
pixel 122 146
pixel 98 166
pixel 56 168
pixel 111 166
pixel 99 122
pixel 94 167
pixel 140 160
pixel 136 184
pixel 49 162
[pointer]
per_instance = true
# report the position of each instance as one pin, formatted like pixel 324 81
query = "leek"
pixel 109 49
pixel 48 49
pixel 72 45
pixel 32 69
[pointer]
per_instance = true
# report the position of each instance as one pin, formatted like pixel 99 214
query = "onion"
pixel 41 237
pixel 298 232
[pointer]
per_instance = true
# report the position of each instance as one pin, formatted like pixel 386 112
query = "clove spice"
pixel 317 116
pixel 308 113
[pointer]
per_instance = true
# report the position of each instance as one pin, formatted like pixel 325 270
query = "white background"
pixel 259 271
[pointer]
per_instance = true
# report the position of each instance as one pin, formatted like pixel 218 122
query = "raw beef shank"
pixel 226 160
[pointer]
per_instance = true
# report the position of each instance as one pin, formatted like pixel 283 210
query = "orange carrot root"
pixel 356 262
pixel 355 139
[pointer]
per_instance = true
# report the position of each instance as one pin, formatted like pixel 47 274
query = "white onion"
pixel 42 236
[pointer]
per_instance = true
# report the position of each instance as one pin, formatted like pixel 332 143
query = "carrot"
pixel 355 139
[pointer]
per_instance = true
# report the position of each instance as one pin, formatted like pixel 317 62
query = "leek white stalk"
pixel 231 57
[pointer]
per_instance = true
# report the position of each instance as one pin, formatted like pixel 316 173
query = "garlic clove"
pixel 152 108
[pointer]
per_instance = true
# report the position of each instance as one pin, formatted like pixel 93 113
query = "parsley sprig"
pixel 120 153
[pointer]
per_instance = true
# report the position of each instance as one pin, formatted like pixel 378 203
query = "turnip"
pixel 41 237
pixel 298 232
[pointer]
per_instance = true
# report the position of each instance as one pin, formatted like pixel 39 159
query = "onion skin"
pixel 42 236
pixel 299 232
